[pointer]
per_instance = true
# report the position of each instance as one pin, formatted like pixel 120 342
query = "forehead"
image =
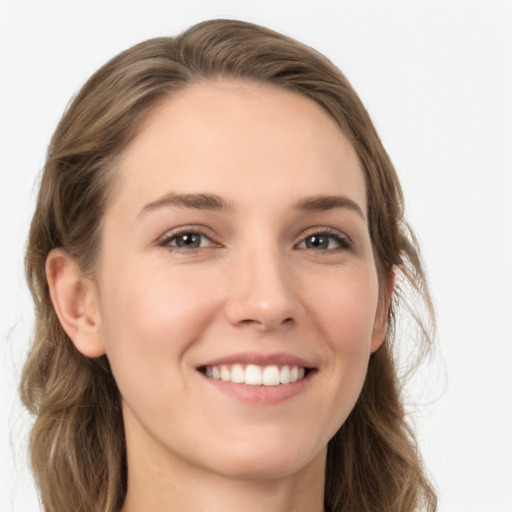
pixel 234 137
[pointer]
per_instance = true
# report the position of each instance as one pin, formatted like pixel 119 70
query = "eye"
pixel 186 240
pixel 324 241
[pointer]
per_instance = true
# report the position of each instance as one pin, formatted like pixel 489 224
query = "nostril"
pixel 266 323
pixel 249 321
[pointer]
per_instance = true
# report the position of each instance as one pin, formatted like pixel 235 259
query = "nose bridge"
pixel 262 291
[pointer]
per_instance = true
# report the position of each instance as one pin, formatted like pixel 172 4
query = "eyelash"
pixel 170 237
pixel 341 240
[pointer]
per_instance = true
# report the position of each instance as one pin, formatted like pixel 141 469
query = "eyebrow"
pixel 216 203
pixel 197 201
pixel 323 203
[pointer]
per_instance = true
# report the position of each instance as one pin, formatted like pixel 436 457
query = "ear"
pixel 381 317
pixel 75 300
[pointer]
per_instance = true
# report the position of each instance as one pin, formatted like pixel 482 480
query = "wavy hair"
pixel 77 441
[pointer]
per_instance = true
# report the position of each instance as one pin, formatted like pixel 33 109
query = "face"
pixel 237 289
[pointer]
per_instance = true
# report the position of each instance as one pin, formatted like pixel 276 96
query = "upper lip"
pixel 259 359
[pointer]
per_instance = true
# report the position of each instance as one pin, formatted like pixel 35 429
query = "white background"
pixel 436 77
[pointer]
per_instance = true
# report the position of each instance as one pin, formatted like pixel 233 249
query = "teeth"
pixel 271 376
pixel 237 374
pixel 254 375
pixel 284 375
pixel 225 374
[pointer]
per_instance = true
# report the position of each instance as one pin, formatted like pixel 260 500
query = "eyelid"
pixel 168 236
pixel 165 239
pixel 345 240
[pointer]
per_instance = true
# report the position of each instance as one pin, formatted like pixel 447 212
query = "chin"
pixel 268 461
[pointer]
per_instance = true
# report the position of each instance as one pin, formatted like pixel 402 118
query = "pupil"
pixel 190 240
pixel 316 242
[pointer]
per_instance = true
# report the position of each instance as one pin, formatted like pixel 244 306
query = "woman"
pixel 217 256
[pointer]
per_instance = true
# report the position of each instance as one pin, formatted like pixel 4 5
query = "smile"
pixel 254 375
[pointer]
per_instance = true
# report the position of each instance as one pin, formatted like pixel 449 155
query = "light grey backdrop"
pixel 436 77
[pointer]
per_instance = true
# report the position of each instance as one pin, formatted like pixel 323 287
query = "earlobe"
pixel 381 318
pixel 75 301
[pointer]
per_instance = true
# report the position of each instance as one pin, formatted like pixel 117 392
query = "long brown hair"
pixel 77 441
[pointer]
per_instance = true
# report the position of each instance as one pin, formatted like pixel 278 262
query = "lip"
pixel 260 395
pixel 259 359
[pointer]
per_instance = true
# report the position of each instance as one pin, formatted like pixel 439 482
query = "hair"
pixel 77 443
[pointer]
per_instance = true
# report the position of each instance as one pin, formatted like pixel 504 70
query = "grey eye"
pixel 324 241
pixel 187 240
pixel 317 242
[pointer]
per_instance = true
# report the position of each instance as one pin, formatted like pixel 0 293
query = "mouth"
pixel 255 375
pixel 259 379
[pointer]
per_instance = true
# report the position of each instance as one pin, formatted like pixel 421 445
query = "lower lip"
pixel 261 395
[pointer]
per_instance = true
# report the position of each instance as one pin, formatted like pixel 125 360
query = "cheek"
pixel 151 318
pixel 345 308
pixel 153 315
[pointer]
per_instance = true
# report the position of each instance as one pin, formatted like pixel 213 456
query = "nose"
pixel 262 292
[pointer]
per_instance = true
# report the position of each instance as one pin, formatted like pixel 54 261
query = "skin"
pixel 256 284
